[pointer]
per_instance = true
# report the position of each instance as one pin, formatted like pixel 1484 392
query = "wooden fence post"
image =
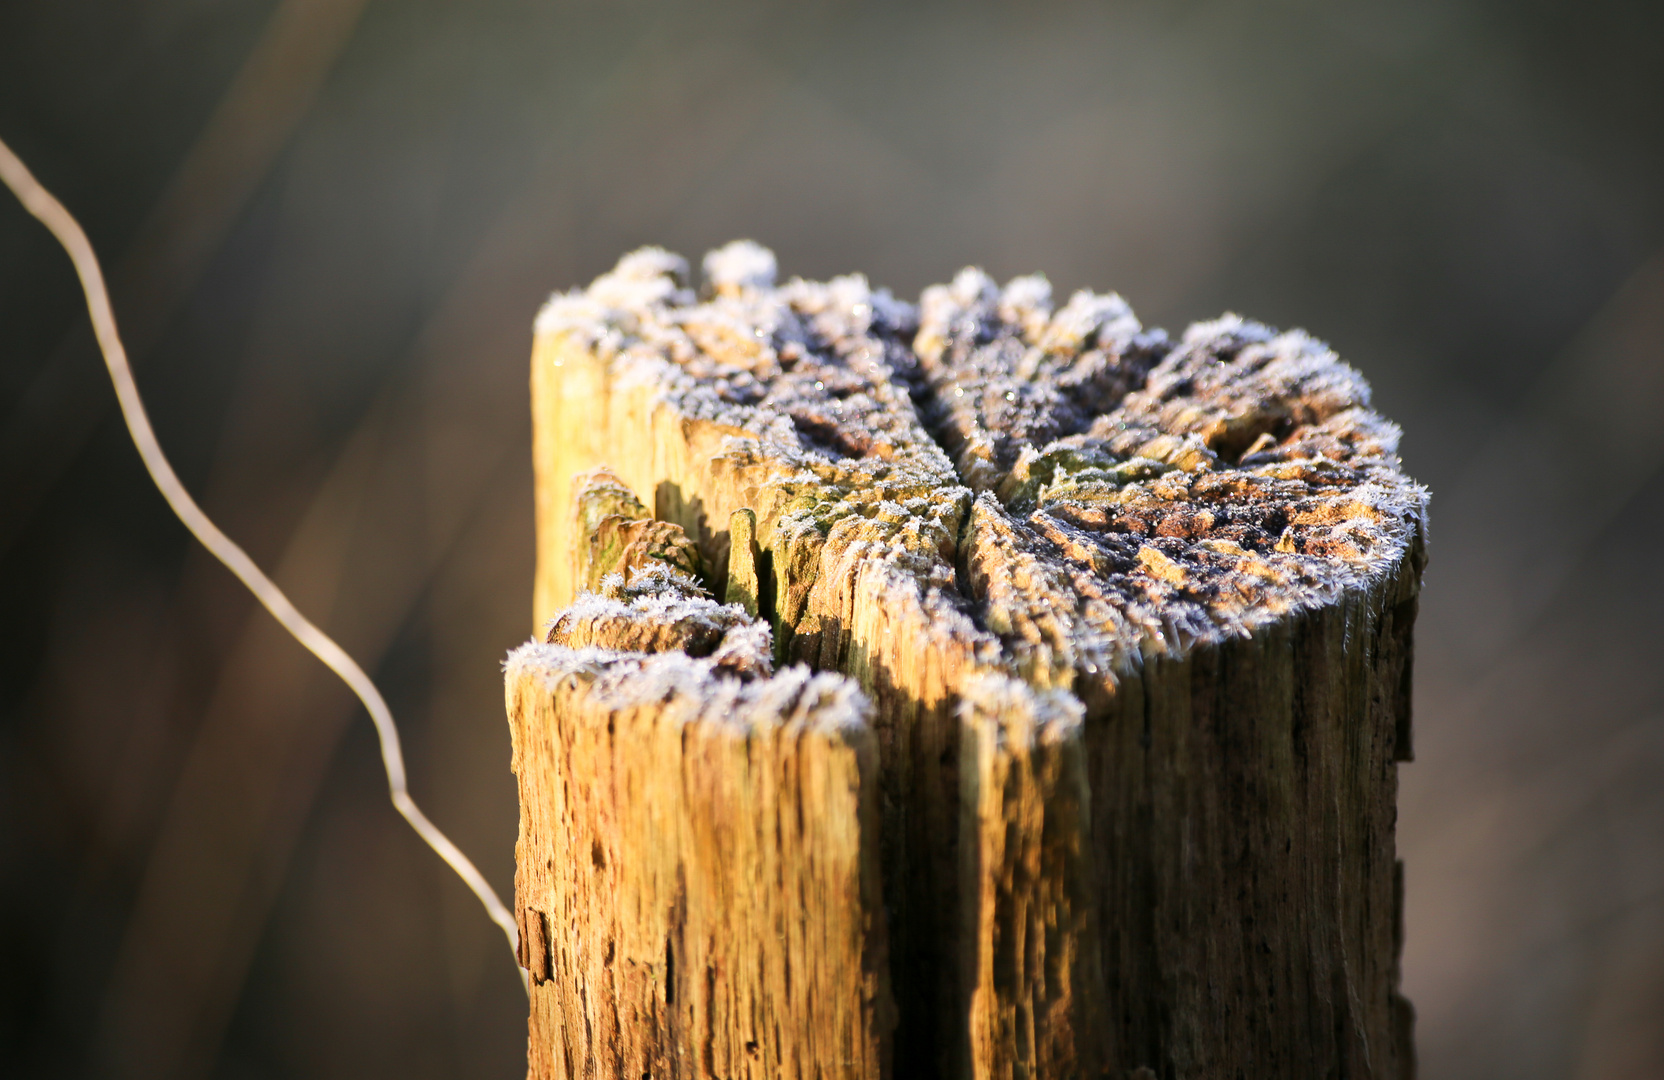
pixel 1098 777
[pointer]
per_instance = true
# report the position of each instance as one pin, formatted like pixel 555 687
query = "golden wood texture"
pixel 697 885
pixel 1131 618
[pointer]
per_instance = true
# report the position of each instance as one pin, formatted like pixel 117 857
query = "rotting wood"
pixel 1132 615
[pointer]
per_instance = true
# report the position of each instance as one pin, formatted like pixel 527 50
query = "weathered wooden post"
pixel 1097 776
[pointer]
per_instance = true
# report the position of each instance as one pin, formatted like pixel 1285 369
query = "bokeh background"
pixel 328 224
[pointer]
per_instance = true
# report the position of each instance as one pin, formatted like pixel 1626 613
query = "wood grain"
pixel 697 881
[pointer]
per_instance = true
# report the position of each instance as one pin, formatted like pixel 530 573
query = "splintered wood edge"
pixel 650 736
pixel 654 792
pixel 649 597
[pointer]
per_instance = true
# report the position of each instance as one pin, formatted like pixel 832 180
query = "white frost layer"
pixel 753 358
pixel 1026 302
pixel 743 264
pixel 693 690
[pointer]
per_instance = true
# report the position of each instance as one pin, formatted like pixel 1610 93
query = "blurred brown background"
pixel 328 225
